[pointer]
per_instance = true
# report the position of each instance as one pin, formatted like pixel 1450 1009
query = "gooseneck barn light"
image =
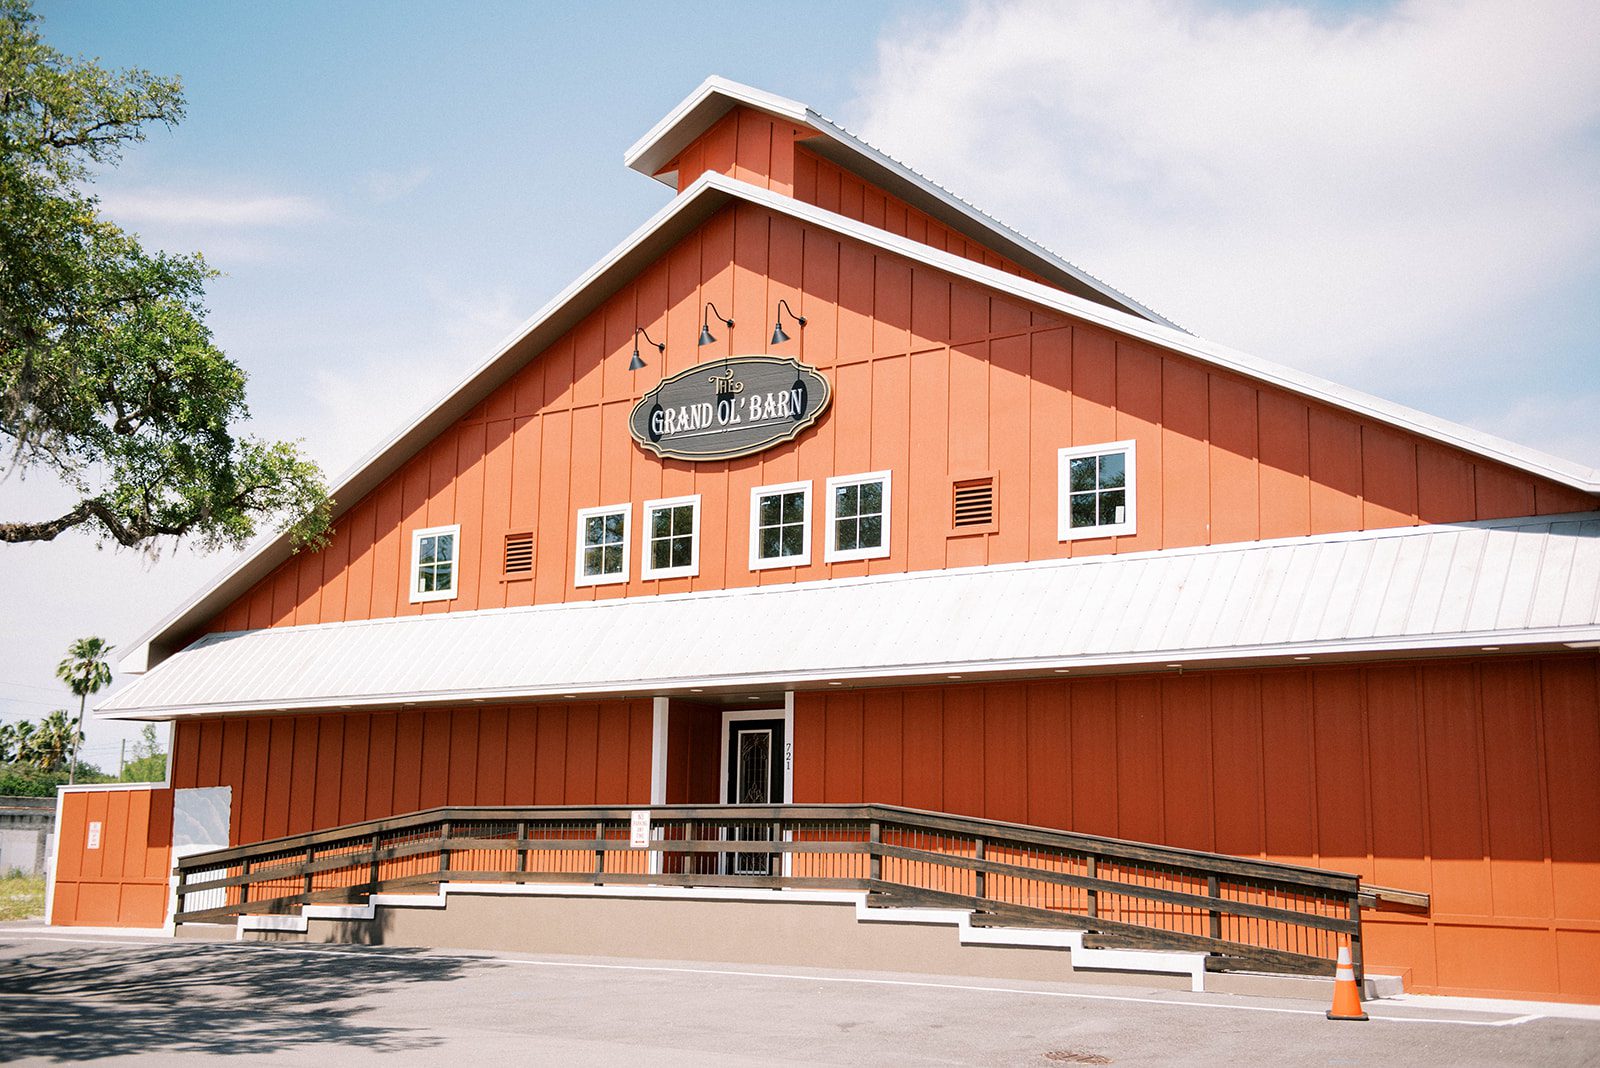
pixel 778 336
pixel 706 336
pixel 636 363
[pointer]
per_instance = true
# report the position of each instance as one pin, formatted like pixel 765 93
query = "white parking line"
pixel 964 987
pixel 358 952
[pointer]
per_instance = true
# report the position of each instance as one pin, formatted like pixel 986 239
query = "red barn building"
pixel 969 532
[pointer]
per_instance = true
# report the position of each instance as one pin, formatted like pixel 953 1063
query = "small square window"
pixel 603 545
pixel 858 517
pixel 780 525
pixel 434 563
pixel 1096 491
pixel 671 538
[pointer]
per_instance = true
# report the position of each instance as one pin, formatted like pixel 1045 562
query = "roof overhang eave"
pixel 1531 641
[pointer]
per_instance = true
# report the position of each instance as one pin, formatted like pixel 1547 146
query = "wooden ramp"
pixel 1230 913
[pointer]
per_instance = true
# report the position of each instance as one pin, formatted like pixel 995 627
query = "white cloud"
pixel 1352 194
pixel 361 395
pixel 178 208
pixel 392 185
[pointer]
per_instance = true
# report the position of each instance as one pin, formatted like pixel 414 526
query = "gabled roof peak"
pixel 716 96
pixel 698 112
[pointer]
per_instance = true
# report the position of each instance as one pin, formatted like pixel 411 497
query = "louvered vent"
pixel 519 554
pixel 974 502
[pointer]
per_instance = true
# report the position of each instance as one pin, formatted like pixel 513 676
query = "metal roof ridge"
pixel 1457 435
pixel 665 139
pixel 843 133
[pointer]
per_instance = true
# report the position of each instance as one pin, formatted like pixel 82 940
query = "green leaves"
pixel 109 379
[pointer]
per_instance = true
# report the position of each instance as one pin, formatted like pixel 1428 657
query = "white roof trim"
pixel 711 100
pixel 1307 385
pixel 716 96
pixel 1512 584
pixel 703 197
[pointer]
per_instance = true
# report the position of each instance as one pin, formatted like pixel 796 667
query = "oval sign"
pixel 726 408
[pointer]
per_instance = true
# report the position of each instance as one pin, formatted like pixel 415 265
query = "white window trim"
pixel 757 563
pixel 834 555
pixel 578 577
pixel 1065 531
pixel 417 596
pixel 693 567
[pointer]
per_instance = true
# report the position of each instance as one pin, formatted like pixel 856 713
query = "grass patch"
pixel 21 896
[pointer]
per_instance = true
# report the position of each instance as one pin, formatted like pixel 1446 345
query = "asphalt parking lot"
pixel 66 998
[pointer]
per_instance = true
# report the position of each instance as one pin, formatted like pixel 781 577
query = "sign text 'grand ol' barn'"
pixel 725 408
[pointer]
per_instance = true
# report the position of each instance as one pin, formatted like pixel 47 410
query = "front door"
pixel 755 777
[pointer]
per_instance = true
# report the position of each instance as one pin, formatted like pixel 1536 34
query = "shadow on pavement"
pixel 80 1004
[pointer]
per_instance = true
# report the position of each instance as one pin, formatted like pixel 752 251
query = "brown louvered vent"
pixel 519 554
pixel 974 502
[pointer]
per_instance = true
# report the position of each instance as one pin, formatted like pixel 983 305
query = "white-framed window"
pixel 435 561
pixel 671 537
pixel 780 525
pixel 603 544
pixel 1096 496
pixel 858 517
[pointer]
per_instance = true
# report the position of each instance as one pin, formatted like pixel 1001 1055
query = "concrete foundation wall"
pixel 811 935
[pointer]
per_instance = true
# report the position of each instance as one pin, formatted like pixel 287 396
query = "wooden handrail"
pixel 1246 912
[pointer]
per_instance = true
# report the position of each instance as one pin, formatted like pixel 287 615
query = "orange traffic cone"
pixel 1346 994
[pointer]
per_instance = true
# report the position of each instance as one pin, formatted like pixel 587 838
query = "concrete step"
pixel 345 923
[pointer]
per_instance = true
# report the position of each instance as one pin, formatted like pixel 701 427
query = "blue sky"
pixel 1401 197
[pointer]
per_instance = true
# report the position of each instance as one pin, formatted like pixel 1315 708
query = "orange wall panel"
pixel 350 766
pixel 123 883
pixel 1470 780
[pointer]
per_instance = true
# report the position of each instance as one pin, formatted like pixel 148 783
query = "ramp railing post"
pixel 1213 889
pixel 1355 937
pixel 981 883
pixel 874 839
pixel 1093 871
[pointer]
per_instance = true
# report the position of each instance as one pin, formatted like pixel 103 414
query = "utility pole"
pixel 122 759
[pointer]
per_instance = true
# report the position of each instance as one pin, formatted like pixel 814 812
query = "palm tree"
pixel 19 737
pixel 52 741
pixel 85 672
pixel 11 741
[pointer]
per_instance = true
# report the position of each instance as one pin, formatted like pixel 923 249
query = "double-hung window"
pixel 434 555
pixel 858 517
pixel 1096 491
pixel 603 545
pixel 780 525
pixel 672 537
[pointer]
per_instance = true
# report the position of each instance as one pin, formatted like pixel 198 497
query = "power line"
pixel 8 684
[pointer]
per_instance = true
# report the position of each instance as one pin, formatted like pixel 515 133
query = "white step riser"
pixel 1082 958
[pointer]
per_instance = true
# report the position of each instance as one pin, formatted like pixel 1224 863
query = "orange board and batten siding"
pixel 123 882
pixel 1473 781
pixel 770 152
pixel 293 774
pixel 934 378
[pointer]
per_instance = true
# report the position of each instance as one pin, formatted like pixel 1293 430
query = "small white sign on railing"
pixel 639 836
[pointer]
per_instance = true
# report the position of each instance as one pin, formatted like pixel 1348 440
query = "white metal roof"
pixel 716 96
pixel 1528 583
pixel 709 193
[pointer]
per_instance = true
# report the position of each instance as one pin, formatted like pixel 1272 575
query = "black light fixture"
pixel 706 336
pixel 636 363
pixel 778 336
